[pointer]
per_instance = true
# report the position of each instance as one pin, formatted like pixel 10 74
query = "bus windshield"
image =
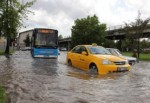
pixel 46 39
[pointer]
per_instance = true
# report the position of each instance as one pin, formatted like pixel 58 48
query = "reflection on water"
pixel 79 75
pixel 87 76
pixel 45 66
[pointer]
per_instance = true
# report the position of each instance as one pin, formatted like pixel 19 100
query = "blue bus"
pixel 44 43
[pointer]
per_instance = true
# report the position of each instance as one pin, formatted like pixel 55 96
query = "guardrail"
pixel 115 27
pixel 119 27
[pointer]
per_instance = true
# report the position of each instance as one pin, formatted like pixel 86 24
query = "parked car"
pixel 131 60
pixel 146 50
pixel 96 59
pixel 63 49
pixel 25 49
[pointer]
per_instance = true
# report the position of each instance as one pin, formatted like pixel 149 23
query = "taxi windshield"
pixel 98 50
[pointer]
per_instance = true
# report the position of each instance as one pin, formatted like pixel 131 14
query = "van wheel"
pixel 69 63
pixel 93 69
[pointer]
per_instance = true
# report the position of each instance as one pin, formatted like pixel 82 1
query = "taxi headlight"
pixel 106 62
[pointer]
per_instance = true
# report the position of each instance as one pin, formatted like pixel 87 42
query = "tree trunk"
pixel 138 49
pixel 7 46
pixel 8 38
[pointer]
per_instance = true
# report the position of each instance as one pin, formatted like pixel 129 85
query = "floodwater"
pixel 29 80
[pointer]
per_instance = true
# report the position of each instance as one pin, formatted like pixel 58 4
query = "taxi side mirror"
pixel 84 53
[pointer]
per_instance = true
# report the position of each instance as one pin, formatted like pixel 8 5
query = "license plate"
pixel 120 69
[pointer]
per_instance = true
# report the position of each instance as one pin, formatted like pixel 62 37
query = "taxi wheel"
pixel 69 62
pixel 93 69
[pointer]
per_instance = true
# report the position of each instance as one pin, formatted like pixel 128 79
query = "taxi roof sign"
pixel 94 44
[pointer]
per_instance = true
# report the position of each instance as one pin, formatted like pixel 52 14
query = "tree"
pixel 60 37
pixel 12 12
pixel 126 45
pixel 27 41
pixel 134 31
pixel 87 31
pixel 109 43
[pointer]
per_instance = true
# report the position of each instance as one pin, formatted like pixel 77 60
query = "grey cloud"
pixel 73 9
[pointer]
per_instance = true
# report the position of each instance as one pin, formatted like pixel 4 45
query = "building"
pixel 2 43
pixel 22 37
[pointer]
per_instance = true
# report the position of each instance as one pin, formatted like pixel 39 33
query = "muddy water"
pixel 31 80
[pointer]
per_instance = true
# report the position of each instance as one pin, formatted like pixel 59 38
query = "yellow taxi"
pixel 96 59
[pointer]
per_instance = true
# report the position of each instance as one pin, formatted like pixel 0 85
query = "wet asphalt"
pixel 30 80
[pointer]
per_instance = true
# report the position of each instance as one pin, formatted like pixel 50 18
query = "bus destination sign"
pixel 45 31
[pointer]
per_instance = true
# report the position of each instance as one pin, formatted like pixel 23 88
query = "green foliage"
pixel 27 40
pixel 109 43
pixel 134 31
pixel 12 12
pixel 87 31
pixel 126 45
pixel 2 52
pixel 144 57
pixel 60 37
pixel 144 44
pixel 3 97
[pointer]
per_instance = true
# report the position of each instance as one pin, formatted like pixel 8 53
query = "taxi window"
pixel 83 49
pixel 79 49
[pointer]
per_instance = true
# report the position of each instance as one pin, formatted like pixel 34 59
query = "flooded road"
pixel 30 80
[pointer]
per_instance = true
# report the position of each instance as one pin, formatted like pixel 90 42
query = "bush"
pixel 3 97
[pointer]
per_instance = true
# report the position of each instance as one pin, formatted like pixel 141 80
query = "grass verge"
pixel 144 57
pixel 3 96
pixel 3 52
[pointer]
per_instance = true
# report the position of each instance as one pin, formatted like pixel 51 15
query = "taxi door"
pixel 84 59
pixel 75 57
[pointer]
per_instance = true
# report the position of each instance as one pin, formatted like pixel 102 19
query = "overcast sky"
pixel 60 14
